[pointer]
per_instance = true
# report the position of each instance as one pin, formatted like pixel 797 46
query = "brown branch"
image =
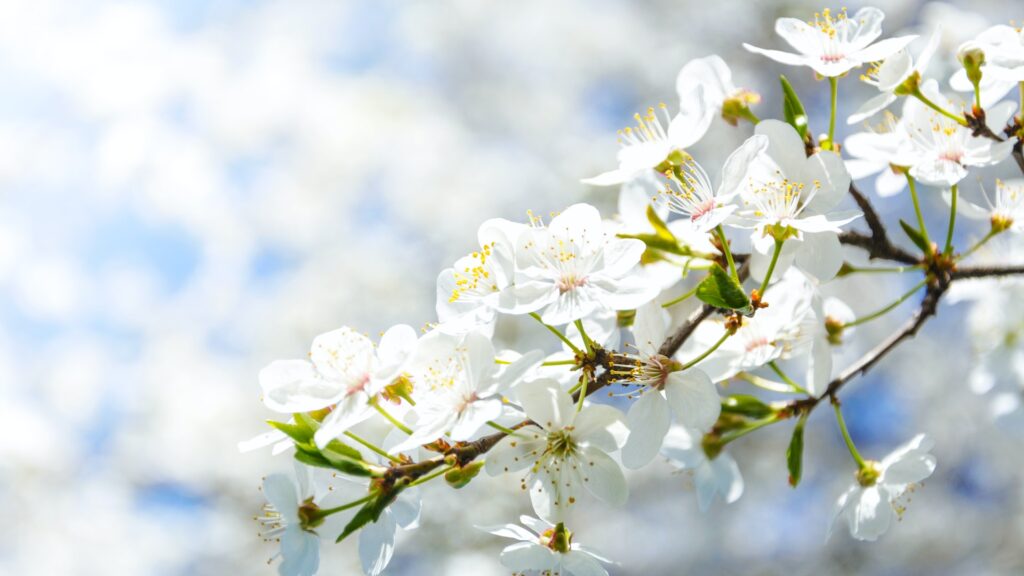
pixel 676 340
pixel 877 245
pixel 986 272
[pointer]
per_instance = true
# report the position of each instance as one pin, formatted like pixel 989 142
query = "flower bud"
pixel 737 107
pixel 834 330
pixel 972 57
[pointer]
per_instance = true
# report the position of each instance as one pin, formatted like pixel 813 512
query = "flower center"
pixel 869 474
pixel 570 282
pixel 561 444
pixel 475 279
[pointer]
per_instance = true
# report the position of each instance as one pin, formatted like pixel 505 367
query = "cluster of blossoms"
pixel 656 307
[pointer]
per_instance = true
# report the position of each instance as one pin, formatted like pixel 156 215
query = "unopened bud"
pixel 834 329
pixel 737 107
pixel 972 57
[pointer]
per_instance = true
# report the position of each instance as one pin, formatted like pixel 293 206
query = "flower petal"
pixel 648 420
pixel 603 477
pixel 694 399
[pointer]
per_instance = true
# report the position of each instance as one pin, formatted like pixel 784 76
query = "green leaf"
pixel 916 237
pixel 795 452
pixel 793 109
pixel 746 405
pixel 311 458
pixel 345 458
pixel 297 432
pixel 722 291
pixel 369 513
pixel 303 419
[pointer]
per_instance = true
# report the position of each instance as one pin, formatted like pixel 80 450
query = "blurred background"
pixel 189 190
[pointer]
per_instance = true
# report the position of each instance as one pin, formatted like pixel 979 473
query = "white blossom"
pixel 719 94
pixel 458 386
pixel 1004 209
pixel 890 74
pixel 536 550
pixel 1003 69
pixel 713 476
pixel 573 267
pixel 344 372
pixel 470 293
pixel 945 149
pixel 658 135
pixel 690 193
pixel 565 451
pixel 877 151
pixel 869 505
pixel 690 394
pixel 834 44
pixel 786 192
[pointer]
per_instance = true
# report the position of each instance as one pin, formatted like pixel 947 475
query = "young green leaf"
pixel 915 236
pixel 793 109
pixel 369 513
pixel 297 432
pixel 795 452
pixel 721 291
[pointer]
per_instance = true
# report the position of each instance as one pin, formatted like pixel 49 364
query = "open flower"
pixel 470 293
pixel 565 451
pixel 657 267
pixel 546 548
pixel 788 195
pixel 716 475
pixel 344 372
pixel 834 44
pixel 655 139
pixel 690 394
pixel 458 386
pixel 719 93
pixel 890 74
pixel 573 267
pixel 1004 209
pixel 879 149
pixel 290 517
pixel 689 190
pixel 945 149
pixel 791 327
pixel 869 505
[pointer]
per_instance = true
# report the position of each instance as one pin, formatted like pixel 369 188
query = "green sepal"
pixel 795 452
pixel 793 109
pixel 720 290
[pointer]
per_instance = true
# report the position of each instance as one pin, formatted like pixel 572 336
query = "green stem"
pixel 556 332
pixel 429 477
pixel 778 372
pixel 924 99
pixel 707 352
pixel 675 301
pixel 325 512
pixel 764 383
pixel 558 363
pixel 728 253
pixel 748 114
pixel 846 436
pixel 917 209
pixel 771 266
pixel 373 447
pixel 952 223
pixel 881 270
pixel 756 425
pixel 398 424
pixel 891 306
pixel 991 234
pixel 501 428
pixel 583 391
pixel 586 339
pixel 834 85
